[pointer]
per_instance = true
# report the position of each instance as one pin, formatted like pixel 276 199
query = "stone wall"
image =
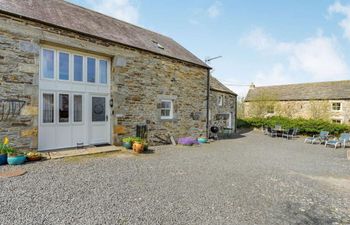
pixel 228 107
pixel 136 88
pixel 317 109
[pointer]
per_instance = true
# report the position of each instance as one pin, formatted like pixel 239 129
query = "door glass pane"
pixel 48 63
pixel 63 104
pixel 48 108
pixel 78 108
pixel 78 68
pixel 63 66
pixel 103 71
pixel 91 70
pixel 98 109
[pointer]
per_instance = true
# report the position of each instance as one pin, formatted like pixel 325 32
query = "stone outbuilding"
pixel 223 106
pixel 320 100
pixel 73 77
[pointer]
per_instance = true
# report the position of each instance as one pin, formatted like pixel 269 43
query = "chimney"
pixel 252 86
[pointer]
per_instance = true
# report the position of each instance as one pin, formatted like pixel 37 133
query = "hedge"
pixel 305 126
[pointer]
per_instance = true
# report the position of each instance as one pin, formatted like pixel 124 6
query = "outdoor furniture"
pixel 279 130
pixel 271 132
pixel 322 138
pixel 341 141
pixel 290 133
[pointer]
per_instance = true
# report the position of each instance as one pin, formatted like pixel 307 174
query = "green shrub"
pixel 305 126
pixel 132 140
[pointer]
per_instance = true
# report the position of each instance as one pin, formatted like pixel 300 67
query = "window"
pixel 336 106
pixel 166 110
pixel 103 71
pixel 220 100
pixel 98 109
pixel 91 70
pixel 63 66
pixel 48 64
pixel 78 68
pixel 48 108
pixel 270 109
pixel 338 121
pixel 63 107
pixel 78 108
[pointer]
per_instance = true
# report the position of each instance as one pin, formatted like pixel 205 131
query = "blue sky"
pixel 265 42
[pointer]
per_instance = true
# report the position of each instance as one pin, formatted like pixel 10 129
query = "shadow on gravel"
pixel 295 213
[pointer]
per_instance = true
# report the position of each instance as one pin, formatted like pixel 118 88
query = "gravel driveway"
pixel 252 179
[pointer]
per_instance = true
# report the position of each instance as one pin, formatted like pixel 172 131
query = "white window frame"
pixel 82 108
pixel 42 107
pixel 336 110
pixel 71 66
pixel 58 107
pixel 171 114
pixel 42 65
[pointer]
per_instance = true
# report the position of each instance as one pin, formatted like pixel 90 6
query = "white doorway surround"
pixel 74 94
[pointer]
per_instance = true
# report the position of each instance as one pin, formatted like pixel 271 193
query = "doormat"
pixel 12 173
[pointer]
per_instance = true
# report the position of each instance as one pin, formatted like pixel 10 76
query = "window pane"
pixel 103 71
pixel 98 109
pixel 78 68
pixel 165 112
pixel 78 108
pixel 63 66
pixel 48 108
pixel 91 70
pixel 63 105
pixel 48 63
pixel 166 105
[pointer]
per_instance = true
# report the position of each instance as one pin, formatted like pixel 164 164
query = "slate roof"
pixel 69 16
pixel 216 85
pixel 334 90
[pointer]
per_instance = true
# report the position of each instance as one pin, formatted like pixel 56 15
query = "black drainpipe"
pixel 208 94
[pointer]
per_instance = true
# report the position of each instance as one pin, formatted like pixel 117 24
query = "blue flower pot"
pixel 127 145
pixel 16 160
pixel 3 159
pixel 202 140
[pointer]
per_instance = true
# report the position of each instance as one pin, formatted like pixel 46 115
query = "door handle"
pixel 106 117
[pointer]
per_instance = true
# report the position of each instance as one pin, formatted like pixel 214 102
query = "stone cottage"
pixel 223 108
pixel 70 77
pixel 321 100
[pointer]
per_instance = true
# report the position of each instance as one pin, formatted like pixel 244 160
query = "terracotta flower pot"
pixel 137 147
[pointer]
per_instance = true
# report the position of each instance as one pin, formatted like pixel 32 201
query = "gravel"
pixel 252 179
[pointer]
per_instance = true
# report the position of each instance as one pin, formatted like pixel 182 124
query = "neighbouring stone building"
pixel 223 105
pixel 322 100
pixel 77 77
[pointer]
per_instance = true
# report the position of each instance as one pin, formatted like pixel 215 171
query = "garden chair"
pixel 322 138
pixel 271 132
pixel 341 141
pixel 290 133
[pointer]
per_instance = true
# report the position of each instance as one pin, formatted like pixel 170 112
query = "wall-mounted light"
pixel 111 102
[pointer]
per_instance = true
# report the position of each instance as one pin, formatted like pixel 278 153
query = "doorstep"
pixel 80 151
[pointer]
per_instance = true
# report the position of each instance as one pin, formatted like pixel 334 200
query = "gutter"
pixel 208 94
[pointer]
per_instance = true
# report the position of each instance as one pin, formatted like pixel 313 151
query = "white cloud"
pixel 215 9
pixel 318 56
pixel 120 9
pixel 344 10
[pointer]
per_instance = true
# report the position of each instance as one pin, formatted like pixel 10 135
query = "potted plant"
pixel 15 157
pixel 138 145
pixel 33 156
pixel 3 151
pixel 127 142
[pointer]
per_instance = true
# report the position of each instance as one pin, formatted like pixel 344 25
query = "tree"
pixel 263 104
